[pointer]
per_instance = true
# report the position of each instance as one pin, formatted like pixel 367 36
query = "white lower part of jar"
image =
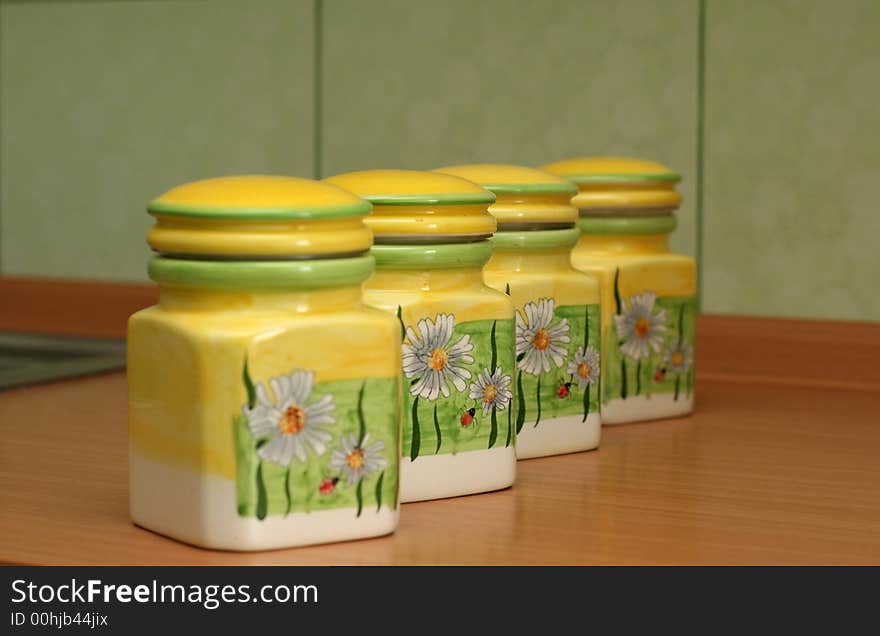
pixel 200 509
pixel 639 408
pixel 568 434
pixel 441 476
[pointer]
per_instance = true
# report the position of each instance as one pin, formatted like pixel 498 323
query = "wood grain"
pixel 779 465
pixel 761 474
pixel 71 307
pixel 797 352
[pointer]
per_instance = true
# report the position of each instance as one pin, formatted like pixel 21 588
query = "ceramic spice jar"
pixel 264 397
pixel 558 331
pixel 648 292
pixel 432 239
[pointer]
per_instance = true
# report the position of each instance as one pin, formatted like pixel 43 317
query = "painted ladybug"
pixel 467 417
pixel 564 390
pixel 328 485
pixel 660 374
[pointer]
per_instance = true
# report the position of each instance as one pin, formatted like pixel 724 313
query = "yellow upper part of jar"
pixel 525 198
pixel 620 185
pixel 259 217
pixel 421 207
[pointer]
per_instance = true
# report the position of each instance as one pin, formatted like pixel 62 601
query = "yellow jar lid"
pixel 526 198
pixel 259 217
pixel 620 185
pixel 410 206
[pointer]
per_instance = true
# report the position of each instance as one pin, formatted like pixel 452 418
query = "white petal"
pixel 299 448
pixel 413 341
pixel 520 323
pixel 445 333
pixel 458 383
pixel 462 346
pixel 439 385
pixel 278 388
pixel 545 361
pixel 419 389
pixel 262 398
pixel 548 307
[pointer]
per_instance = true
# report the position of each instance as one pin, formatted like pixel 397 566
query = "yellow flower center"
pixel 355 459
pixel 584 370
pixel 677 358
pixel 642 327
pixel 490 392
pixel 438 360
pixel 541 340
pixel 292 420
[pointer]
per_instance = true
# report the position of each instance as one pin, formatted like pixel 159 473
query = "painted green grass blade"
pixel 359 493
pixel 521 404
pixel 402 327
pixel 507 289
pixel 493 432
pixel 287 494
pixel 416 433
pixel 623 379
pixel 509 424
pixel 639 376
pixel 538 398
pixel 248 385
pixel 617 289
pixel 494 349
pixel 586 403
pixel 362 424
pixel 437 430
pixel 379 491
pixel 262 499
pixel 586 327
pixel 677 383
pixel 245 460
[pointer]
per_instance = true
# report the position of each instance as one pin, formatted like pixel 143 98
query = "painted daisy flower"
pixel 585 366
pixel 639 327
pixel 290 423
pixel 491 389
pixel 358 460
pixel 538 339
pixel 679 358
pixel 430 358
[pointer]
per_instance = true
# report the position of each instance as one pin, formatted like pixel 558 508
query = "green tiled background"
pixel 106 104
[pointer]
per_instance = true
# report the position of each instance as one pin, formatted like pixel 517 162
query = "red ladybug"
pixel 659 375
pixel 467 417
pixel 328 485
pixel 564 390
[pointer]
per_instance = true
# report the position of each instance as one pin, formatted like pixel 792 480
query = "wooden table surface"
pixel 778 465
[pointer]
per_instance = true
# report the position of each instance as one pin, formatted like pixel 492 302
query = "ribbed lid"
pixel 620 185
pixel 418 207
pixel 526 198
pixel 259 217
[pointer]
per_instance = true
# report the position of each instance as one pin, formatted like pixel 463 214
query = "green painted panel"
pixel 559 392
pixel 420 84
pixel 355 468
pixel 445 424
pixel 792 159
pixel 643 370
pixel 107 104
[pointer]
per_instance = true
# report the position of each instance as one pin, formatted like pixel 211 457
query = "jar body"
pixel 649 313
pixel 245 409
pixel 558 402
pixel 458 341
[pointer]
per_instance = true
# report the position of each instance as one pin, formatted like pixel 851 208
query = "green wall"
pixel 107 104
